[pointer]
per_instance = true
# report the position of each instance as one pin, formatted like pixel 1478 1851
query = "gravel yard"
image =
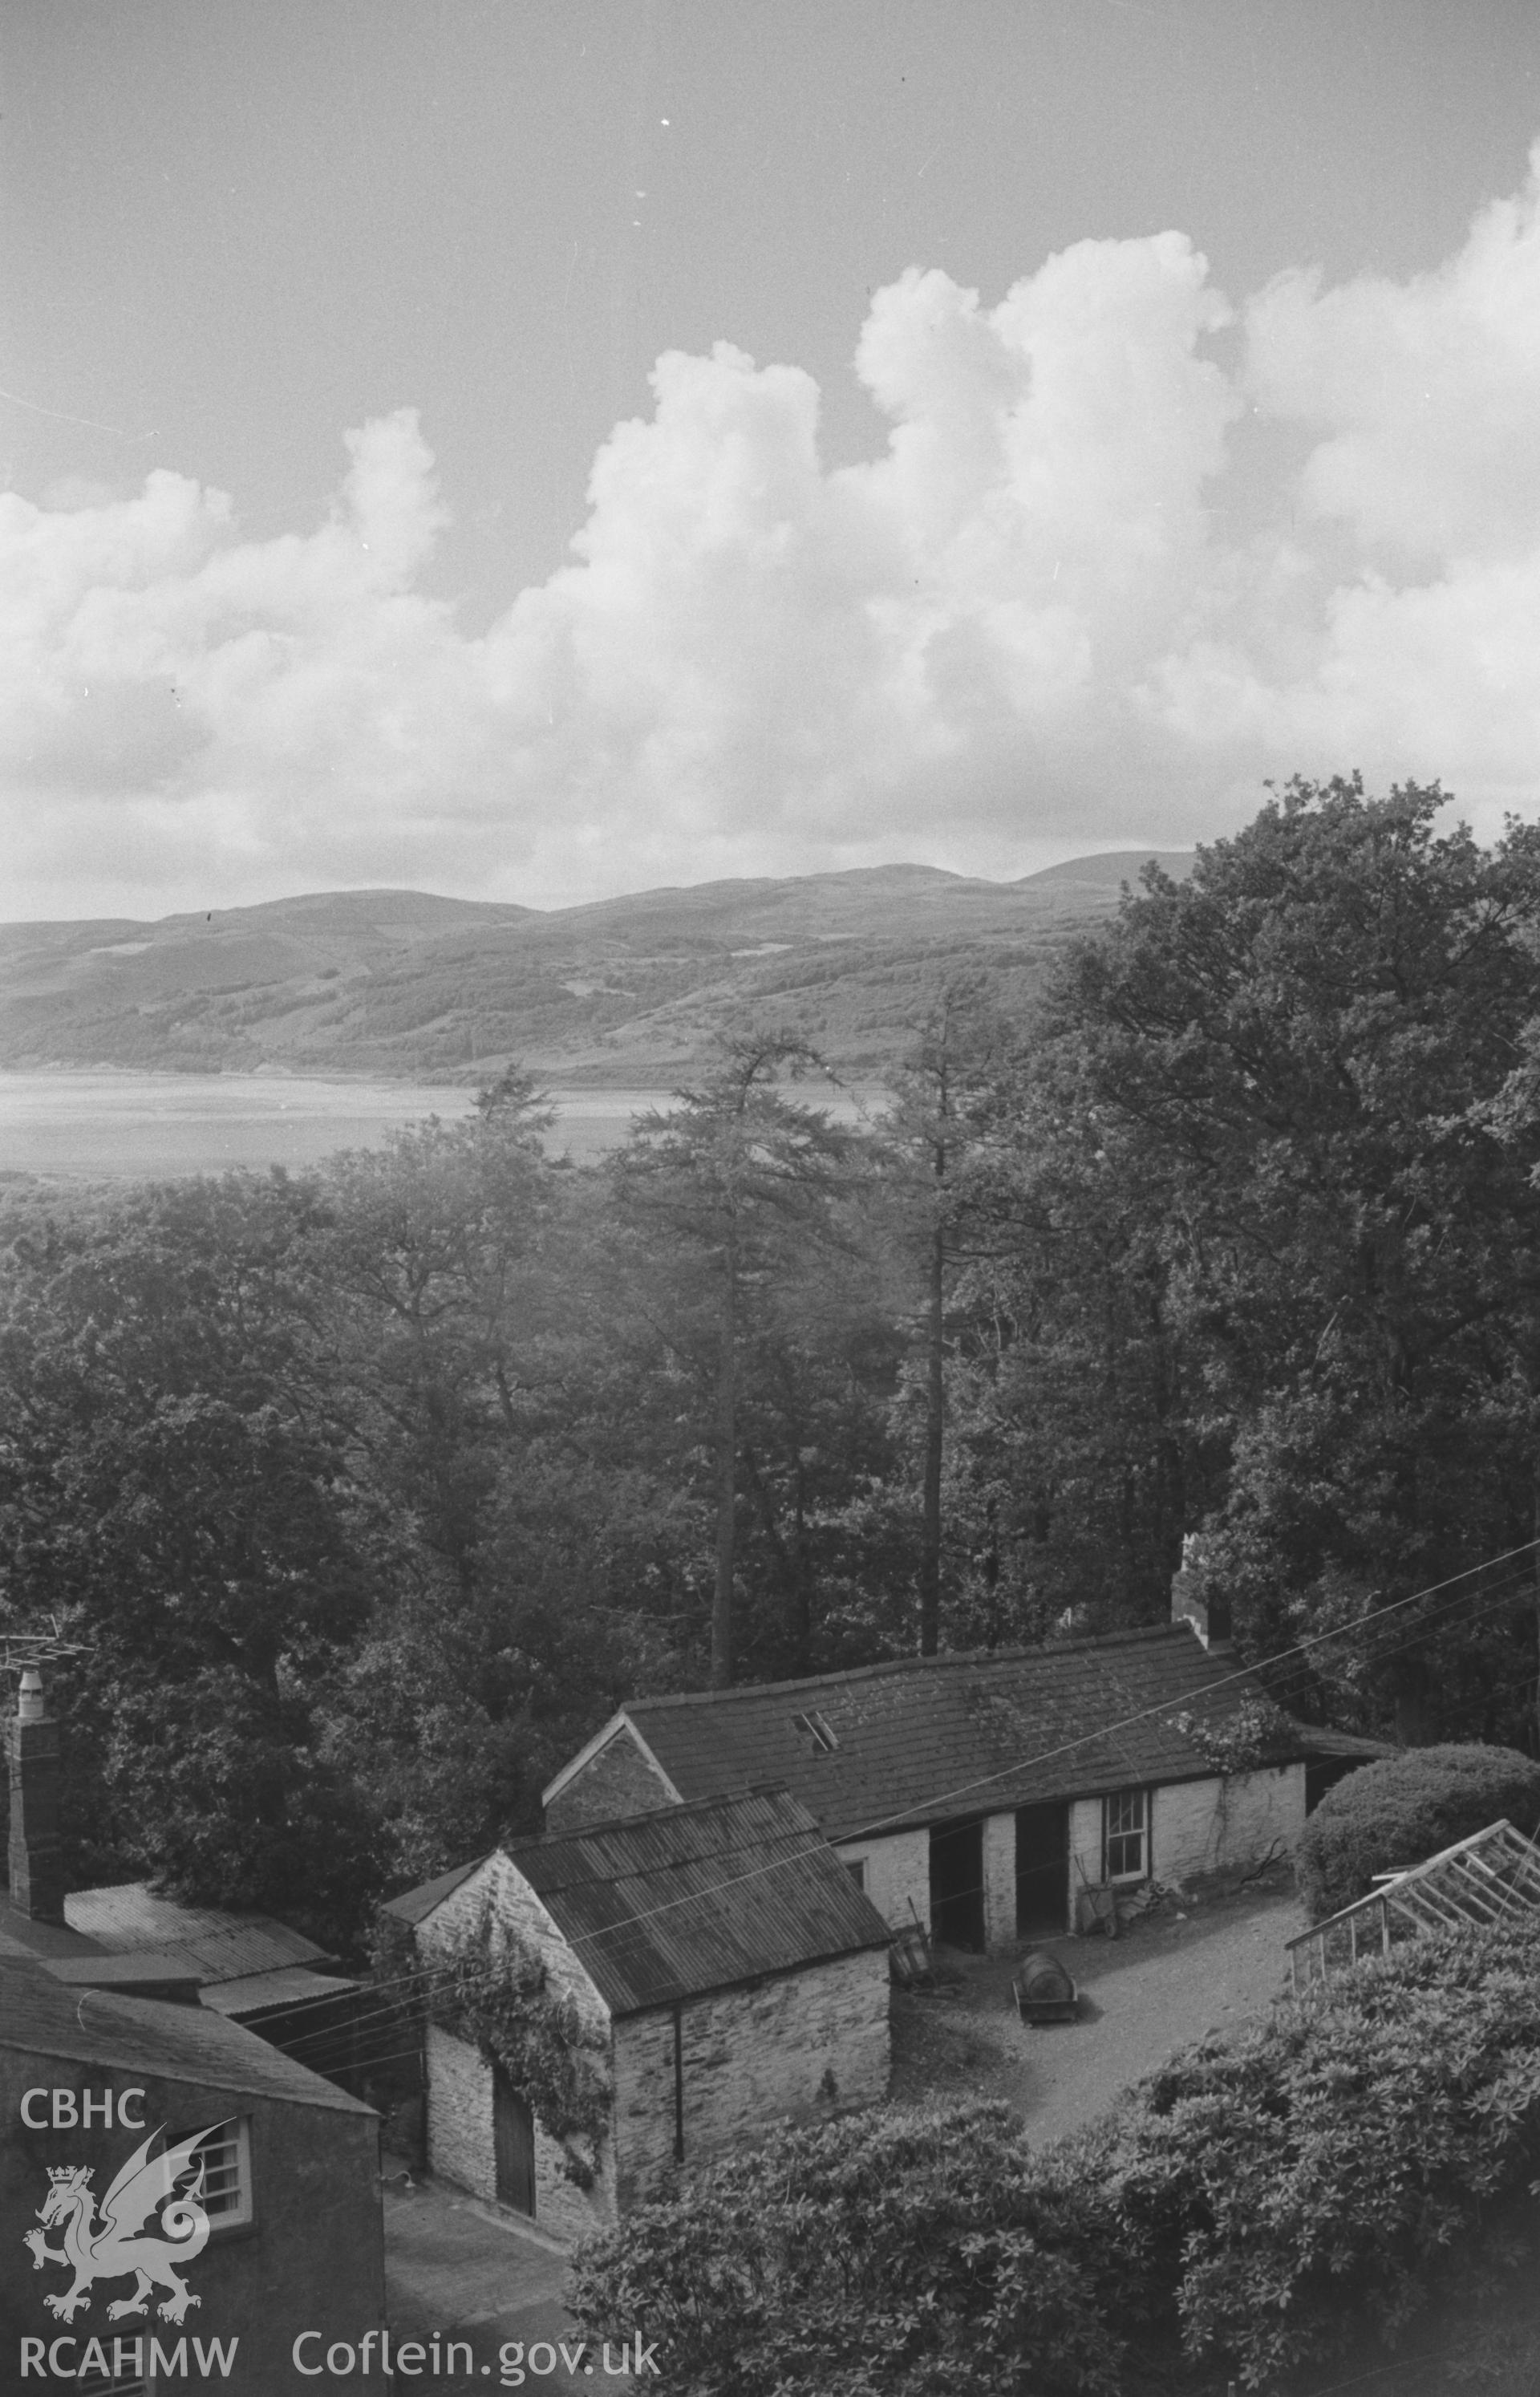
pixel 1188 1968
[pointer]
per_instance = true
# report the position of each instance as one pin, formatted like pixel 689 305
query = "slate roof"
pixel 413 1904
pixel 937 1739
pixel 666 1906
pixel 143 2035
pixel 25 1934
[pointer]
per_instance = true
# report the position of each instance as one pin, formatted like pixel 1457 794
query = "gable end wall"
pixel 460 2146
pixel 460 2079
pixel 618 1782
pixel 897 1878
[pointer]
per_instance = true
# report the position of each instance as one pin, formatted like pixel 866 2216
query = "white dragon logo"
pixel 115 2248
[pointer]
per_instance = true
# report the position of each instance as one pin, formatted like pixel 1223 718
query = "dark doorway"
pixel 1323 1772
pixel 513 2144
pixel 1042 1868
pixel 957 1884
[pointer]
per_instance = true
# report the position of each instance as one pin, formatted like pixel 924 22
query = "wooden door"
pixel 513 2144
pixel 1042 1870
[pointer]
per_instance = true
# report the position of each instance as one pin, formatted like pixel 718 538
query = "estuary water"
pixel 154 1126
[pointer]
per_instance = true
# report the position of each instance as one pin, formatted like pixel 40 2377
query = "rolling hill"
pixel 626 992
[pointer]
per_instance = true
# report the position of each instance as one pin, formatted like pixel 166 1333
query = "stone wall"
pixel 618 1781
pixel 460 2080
pixel 753 2059
pixel 1085 1850
pixel 1204 1826
pixel 1200 1827
pixel 498 1882
pixel 460 2115
pixel 898 1872
pixel 999 1882
pixel 461 2145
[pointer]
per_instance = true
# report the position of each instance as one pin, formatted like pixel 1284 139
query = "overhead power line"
pixel 1469 1605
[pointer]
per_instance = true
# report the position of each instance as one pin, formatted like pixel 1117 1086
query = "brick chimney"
pixel 32 1754
pixel 1195 1599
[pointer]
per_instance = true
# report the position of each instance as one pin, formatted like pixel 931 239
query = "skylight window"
pixel 814 1727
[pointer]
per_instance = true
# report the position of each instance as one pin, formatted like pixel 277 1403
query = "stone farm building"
pixel 987 1795
pixel 728 1975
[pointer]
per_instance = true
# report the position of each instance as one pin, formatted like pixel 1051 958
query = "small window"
pixel 1125 1835
pixel 856 1867
pixel 813 1727
pixel 226 2155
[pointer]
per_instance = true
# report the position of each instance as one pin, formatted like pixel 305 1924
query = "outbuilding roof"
pixel 219 1945
pixel 259 1993
pixel 936 1739
pixel 669 1906
pixel 143 2035
pixel 413 1904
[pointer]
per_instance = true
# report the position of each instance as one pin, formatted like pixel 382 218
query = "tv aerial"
pixel 29 1649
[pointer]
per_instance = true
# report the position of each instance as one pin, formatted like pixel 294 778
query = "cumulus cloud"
pixel 1024 623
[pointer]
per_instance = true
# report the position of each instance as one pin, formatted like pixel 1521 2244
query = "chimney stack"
pixel 32 1754
pixel 1195 1600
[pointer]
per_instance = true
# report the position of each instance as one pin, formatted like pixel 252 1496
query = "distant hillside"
pixel 625 991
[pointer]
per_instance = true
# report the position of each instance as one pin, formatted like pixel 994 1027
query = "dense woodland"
pixel 369 1492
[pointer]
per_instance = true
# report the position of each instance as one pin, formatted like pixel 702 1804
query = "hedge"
pixel 1253 2210
pixel 1407 1807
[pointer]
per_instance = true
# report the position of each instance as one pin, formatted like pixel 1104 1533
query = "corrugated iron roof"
pixel 143 2035
pixel 224 1945
pixel 699 1897
pixel 936 1739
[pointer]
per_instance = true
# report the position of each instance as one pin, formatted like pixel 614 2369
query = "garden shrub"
pixel 893 2251
pixel 1335 2169
pixel 1246 2214
pixel 1405 1808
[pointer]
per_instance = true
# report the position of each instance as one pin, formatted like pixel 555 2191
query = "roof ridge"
pixel 541 1842
pixel 1092 1643
pixel 786 1842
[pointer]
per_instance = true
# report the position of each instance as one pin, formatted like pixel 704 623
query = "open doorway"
pixel 1042 1870
pixel 957 1883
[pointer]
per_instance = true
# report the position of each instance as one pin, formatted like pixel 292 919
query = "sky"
pixel 534 450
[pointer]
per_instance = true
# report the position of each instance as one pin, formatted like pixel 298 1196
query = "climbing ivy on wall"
pixel 495 1994
pixel 1250 1737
